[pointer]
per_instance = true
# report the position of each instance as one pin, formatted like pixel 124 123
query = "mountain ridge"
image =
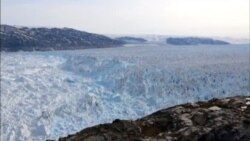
pixel 41 38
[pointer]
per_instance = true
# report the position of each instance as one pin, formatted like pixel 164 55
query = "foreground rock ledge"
pixel 216 120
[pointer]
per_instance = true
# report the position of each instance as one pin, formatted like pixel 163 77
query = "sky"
pixel 223 18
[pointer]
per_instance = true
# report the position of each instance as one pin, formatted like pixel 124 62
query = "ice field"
pixel 47 95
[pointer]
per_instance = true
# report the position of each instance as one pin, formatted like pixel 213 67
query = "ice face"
pixel 46 95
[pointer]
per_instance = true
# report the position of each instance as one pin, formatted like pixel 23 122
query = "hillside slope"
pixel 216 120
pixel 24 38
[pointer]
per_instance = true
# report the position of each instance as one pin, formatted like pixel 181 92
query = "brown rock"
pixel 215 120
pixel 199 118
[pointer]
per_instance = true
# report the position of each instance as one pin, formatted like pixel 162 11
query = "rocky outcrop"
pixel 216 120
pixel 195 41
pixel 131 40
pixel 28 39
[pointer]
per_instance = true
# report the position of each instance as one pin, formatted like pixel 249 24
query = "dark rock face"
pixel 216 120
pixel 195 41
pixel 131 40
pixel 23 38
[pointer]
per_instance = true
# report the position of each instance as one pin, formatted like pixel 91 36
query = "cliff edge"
pixel 225 119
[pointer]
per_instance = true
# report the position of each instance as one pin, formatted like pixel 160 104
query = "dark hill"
pixel 194 41
pixel 24 38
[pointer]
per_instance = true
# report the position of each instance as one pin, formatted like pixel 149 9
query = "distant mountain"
pixel 127 39
pixel 27 39
pixel 195 41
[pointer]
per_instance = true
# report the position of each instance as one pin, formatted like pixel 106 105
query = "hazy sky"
pixel 167 17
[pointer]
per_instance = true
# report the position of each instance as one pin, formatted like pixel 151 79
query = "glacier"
pixel 47 95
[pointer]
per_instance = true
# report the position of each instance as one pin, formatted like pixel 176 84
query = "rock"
pixel 95 138
pixel 247 109
pixel 185 118
pixel 199 118
pixel 229 132
pixel 215 120
pixel 214 108
pixel 243 107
